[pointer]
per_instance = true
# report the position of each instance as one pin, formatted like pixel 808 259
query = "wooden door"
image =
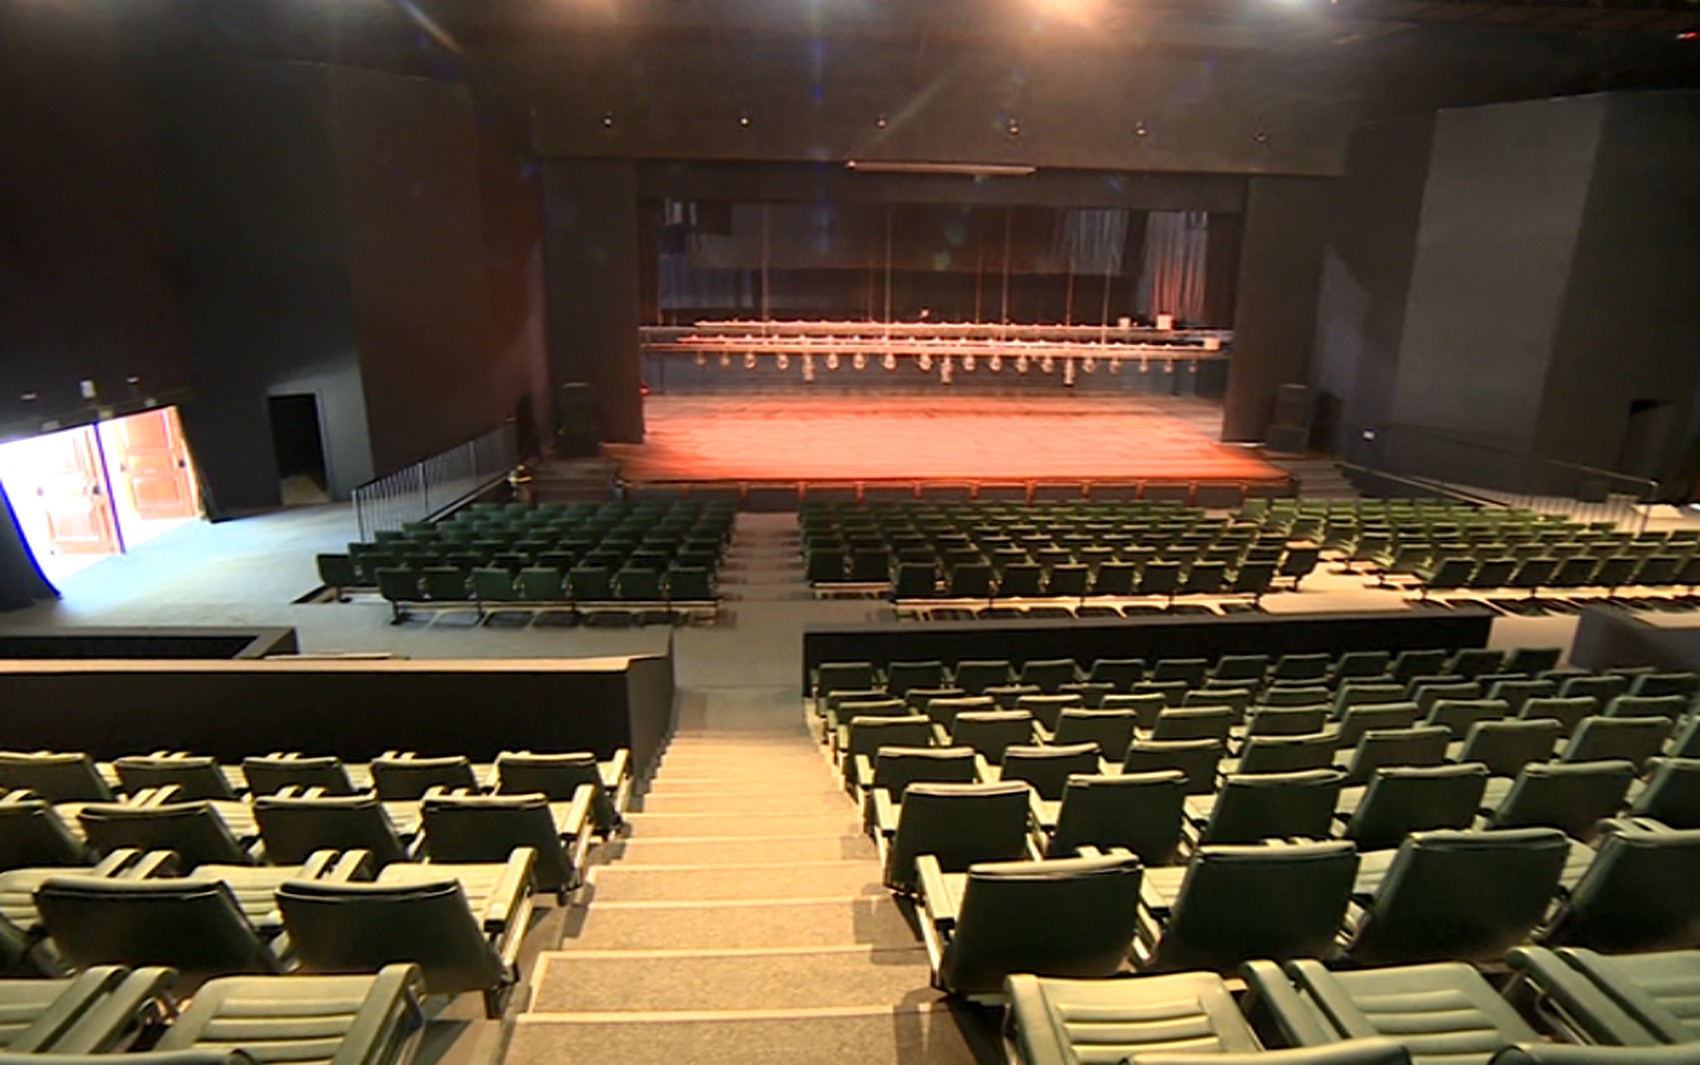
pixel 69 486
pixel 151 464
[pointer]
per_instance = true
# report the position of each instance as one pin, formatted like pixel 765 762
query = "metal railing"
pixel 1510 478
pixel 437 484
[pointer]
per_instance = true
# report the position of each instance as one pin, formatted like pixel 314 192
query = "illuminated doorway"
pixel 85 494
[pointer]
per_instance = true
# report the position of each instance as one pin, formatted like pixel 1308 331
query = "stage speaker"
pixel 577 434
pixel 1292 406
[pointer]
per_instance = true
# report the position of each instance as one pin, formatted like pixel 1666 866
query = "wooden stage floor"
pixel 836 437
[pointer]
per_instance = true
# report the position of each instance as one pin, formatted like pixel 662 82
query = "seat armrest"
pixel 1588 1013
pixel 941 737
pixel 1271 996
pixel 575 822
pixel 862 771
pixel 129 996
pixel 440 791
pixel 1087 850
pixel 983 770
pixel 354 865
pixel 510 891
pixel 936 896
pixel 155 796
pixel 616 769
pixel 379 1029
pixel 1040 1040
pixel 885 813
pixel 130 863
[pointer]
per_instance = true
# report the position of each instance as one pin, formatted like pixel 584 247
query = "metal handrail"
pixel 435 485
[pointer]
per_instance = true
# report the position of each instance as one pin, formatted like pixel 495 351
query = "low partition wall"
pixel 353 709
pixel 1148 637
pixel 176 643
pixel 1607 637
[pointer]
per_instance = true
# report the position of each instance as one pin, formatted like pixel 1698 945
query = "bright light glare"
pixel 1078 12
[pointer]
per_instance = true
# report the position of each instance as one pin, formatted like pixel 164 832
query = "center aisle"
pixel 741 918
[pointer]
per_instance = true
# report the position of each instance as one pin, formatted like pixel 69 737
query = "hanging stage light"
pixel 889 362
pixel 725 360
pixel 1089 364
pixel 783 362
pixel 702 359
pixel 944 370
pixel 967 364
pixel 1144 364
pixel 832 360
pixel 996 363
pixel 1021 364
pixel 1168 366
pixel 859 361
pixel 749 360
pixel 1047 364
pixel 809 369
pixel 1115 365
pixel 925 362
pixel 1068 372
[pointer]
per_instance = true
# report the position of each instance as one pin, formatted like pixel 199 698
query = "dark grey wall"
pixel 1274 317
pixel 591 255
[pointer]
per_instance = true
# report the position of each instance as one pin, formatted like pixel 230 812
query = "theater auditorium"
pixel 909 532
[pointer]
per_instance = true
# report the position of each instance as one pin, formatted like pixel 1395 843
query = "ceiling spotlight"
pixel 859 361
pixel 607 120
pixel 944 370
pixel 1021 364
pixel 832 360
pixel 744 120
pixel 925 362
pixel 782 361
pixel 1115 365
pixel 968 363
pixel 1141 130
pixel 1261 136
pixel 996 363
pixel 881 122
pixel 725 360
pixel 889 362
pixel 749 360
pixel 702 359
pixel 1168 366
pixel 1013 126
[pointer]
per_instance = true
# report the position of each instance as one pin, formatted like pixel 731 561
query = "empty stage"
pixel 942 437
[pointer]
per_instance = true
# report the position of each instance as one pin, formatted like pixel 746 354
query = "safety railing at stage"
pixel 1510 478
pixel 437 484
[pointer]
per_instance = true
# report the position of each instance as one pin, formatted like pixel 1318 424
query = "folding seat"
pixel 440 584
pixel 1205 577
pixel 1417 663
pixel 1172 692
pixel 195 830
pixel 1111 730
pixel 1145 706
pixel 54 776
pixel 1602 687
pixel 1360 720
pixel 33 835
pixel 1419 746
pixel 1236 699
pixel 1446 894
pixel 1047 769
pixel 1067 580
pixel 1286 754
pixel 990 733
pixel 1294 695
pixel 1518 691
pixel 1669 707
pixel 966 580
pixel 1426 691
pixel 404 775
pixel 1047 709
pixel 870 565
pixel 1493 572
pixel 1020 580
pixel 1633 1001
pixel 1161 577
pixel 1357 693
pixel 1124 673
pixel 293 828
pixel 1253 579
pixel 902 677
pixel 1298 562
pixel 1505 747
pixel 1637 895
pixel 1440 1012
pixel 488 828
pixel 1141 812
pixel 587 583
pixel 1006 696
pixel 1194 671
pixel 831 677
pixel 559 776
pixel 193 776
pixel 974 676
pixel 1472 662
pixel 1400 800
pixel 1202 723
pixel 1091 693
pixel 1458 716
pixel 959 824
pixel 866 735
pixel 1230 904
pixel 1658 569
pixel 1048 674
pixel 1672 794
pixel 462 938
pixel 1254 807
pixel 1569 797
pixel 1055 917
pixel 1568 712
pixel 193 925
pixel 944 711
pixel 1676 683
pixel 1601 738
pixel 1286 721
pixel 824 565
pixel 365 1018
pixel 1532 660
pixel 893 769
pixel 1198 759
pixel 1240 667
pixel 1351 665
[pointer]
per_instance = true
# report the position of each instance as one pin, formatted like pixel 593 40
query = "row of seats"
pixel 1331 521
pixel 917 582
pixel 592 594
pixel 1629 1009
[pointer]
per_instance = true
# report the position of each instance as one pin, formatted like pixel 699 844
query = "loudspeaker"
pixel 1292 405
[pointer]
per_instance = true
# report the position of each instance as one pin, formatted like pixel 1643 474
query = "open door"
pixel 59 490
pixel 150 464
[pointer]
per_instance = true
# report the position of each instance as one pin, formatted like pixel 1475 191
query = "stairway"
pixel 1317 478
pixel 589 480
pixel 742 920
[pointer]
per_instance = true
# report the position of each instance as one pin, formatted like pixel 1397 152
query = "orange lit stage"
pixel 827 437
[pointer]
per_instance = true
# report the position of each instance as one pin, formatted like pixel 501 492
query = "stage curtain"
pixel 1222 270
pixel 21 580
pixel 1177 246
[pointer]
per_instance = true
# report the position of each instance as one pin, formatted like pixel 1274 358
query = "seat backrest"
pixel 1467 896
pixel 1250 808
pixel 1602 687
pixel 1236 699
pixel 1669 707
pixel 1286 721
pixel 293 828
pixel 1505 747
pixel 410 776
pixel 1638 894
pixel 1352 664
pixel 192 925
pixel 1633 738
pixel 868 734
pixel 32 834
pixel 1420 745
pixel 992 732
pixel 1048 708
pixel 974 676
pixel 1238 903
pixel 1071 917
pixel 961 824
pixel 1458 715
pixel 1287 754
pixel 1050 674
pixel 902 676
pixel 1361 719
pixel 195 776
pixel 1405 799
pixel 1208 722
pixel 834 676
pixel 557 776
pixel 1144 705
pixel 487 828
pixel 1138 811
pixel 54 776
pixel 1047 768
pixel 1111 730
pixel 1516 692
pixel 1675 683
pixel 343 927
pixel 269 774
pixel 1198 759
pixel 1570 797
pixel 1427 693
pixel 193 829
pixel 895 768
pixel 944 711
pixel 1410 664
pixel 1568 712
pixel 1297 695
pixel 1359 693
pixel 1192 670
pixel 1672 794
pixel 1124 673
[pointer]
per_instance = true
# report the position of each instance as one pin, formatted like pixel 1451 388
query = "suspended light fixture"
pixel 1047 364
pixel 1021 363
pixel 1144 364
pixel 749 360
pixel 702 359
pixel 808 369
pixel 925 362
pixel 1089 364
pixel 889 362
pixel 1068 372
pixel 1115 365
pixel 859 361
pixel 725 360
pixel 968 364
pixel 944 370
pixel 1168 366
pixel 783 362
pixel 832 360
pixel 996 363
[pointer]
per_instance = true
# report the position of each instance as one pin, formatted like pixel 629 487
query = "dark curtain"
pixel 1222 270
pixel 21 580
pixel 1176 246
